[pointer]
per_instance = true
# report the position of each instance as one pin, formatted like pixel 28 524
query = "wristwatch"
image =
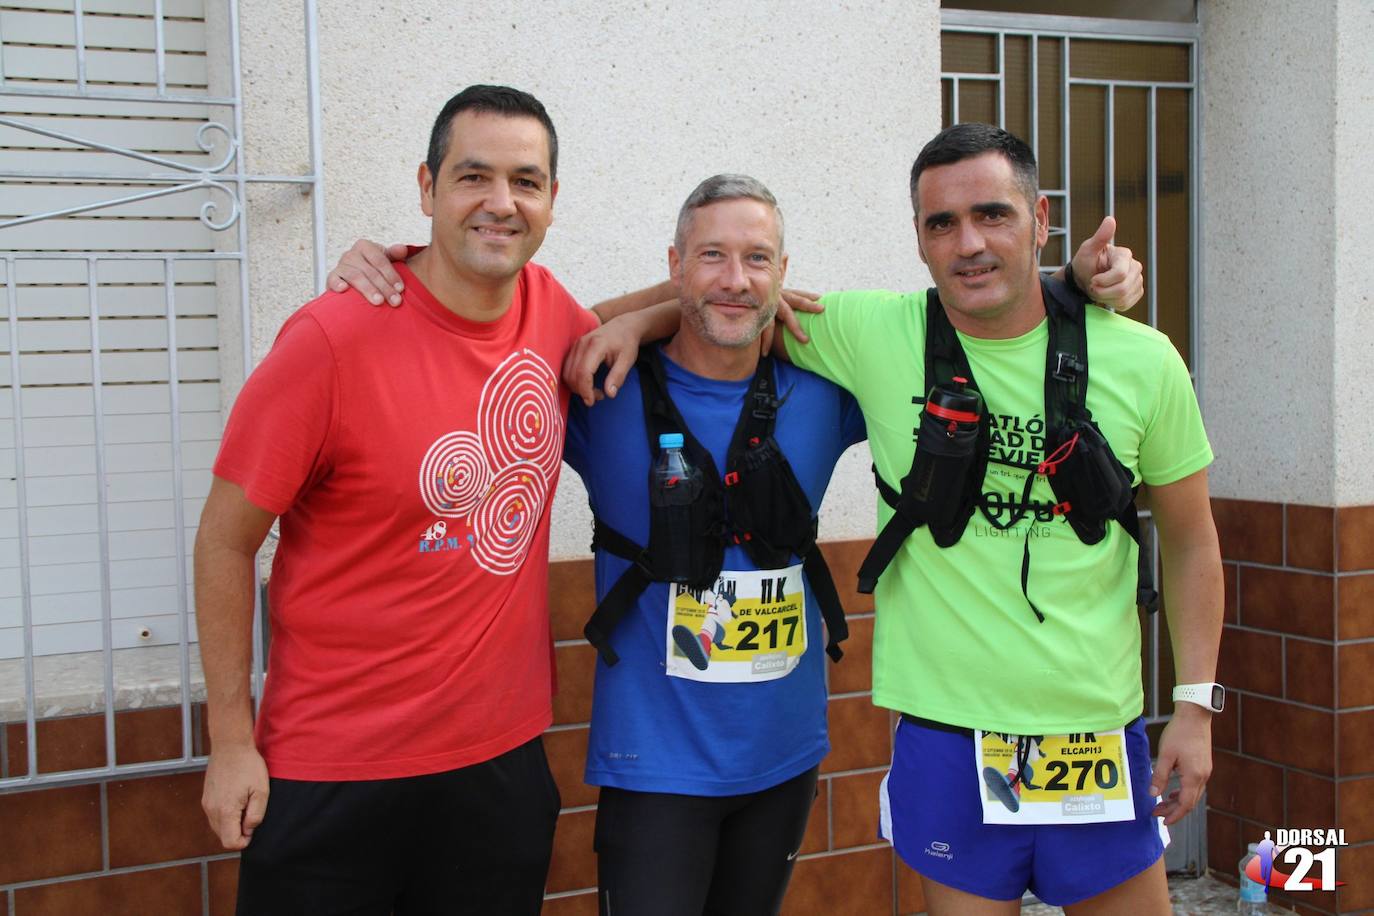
pixel 1208 696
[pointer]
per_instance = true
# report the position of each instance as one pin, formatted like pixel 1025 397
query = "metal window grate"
pixel 123 244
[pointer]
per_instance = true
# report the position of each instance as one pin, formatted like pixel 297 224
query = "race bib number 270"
pixel 1054 779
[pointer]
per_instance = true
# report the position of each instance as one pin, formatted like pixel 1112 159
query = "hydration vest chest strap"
pixel 1091 487
pixel 758 505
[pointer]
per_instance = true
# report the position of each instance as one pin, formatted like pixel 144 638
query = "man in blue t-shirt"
pixel 706 746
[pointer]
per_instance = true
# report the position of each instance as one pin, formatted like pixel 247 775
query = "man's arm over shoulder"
pixel 843 333
pixel 231 530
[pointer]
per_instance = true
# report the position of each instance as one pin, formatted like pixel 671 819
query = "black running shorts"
pixel 475 840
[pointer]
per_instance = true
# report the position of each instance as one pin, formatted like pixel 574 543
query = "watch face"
pixel 1218 697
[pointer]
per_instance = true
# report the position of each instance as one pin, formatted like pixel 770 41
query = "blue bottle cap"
pixel 670 440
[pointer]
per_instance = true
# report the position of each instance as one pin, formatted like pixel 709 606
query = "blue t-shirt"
pixel 654 733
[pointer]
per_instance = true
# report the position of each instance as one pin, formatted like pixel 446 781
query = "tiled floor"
pixel 1191 897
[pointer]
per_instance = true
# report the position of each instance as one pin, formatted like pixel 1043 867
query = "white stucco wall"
pixel 1268 123
pixel 1288 126
pixel 1353 376
pixel 826 103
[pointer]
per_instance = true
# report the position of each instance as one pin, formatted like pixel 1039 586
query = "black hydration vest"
pixel 758 505
pixel 1091 486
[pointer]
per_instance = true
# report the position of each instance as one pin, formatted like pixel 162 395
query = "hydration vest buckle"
pixel 731 478
pixel 1061 508
pixel 1067 367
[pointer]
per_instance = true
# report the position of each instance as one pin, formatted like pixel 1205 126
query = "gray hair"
pixel 724 187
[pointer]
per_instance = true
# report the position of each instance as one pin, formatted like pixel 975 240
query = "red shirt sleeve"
pixel 277 440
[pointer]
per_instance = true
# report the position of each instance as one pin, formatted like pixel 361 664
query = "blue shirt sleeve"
pixel 575 446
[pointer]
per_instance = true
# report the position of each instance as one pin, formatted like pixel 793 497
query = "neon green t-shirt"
pixel 955 639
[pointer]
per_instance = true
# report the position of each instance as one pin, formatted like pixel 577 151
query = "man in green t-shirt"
pixel 1020 628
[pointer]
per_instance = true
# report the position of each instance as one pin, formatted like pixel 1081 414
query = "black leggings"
pixel 689 855
pixel 473 841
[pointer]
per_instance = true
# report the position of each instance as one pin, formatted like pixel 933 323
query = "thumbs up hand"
pixel 1108 273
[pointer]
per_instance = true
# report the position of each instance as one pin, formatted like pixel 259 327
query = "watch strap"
pixel 1207 695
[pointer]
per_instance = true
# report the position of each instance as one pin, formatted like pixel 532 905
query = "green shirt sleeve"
pixel 1174 443
pixel 843 336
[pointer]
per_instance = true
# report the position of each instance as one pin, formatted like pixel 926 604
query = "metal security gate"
pixel 123 240
pixel 1110 108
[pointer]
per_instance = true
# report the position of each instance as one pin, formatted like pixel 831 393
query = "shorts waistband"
pixel 957 729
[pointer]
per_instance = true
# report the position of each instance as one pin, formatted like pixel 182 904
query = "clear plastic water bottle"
pixel 1251 899
pixel 676 485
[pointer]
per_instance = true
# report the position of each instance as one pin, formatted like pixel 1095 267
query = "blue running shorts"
pixel 932 814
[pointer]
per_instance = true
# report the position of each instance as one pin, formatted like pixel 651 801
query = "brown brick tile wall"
pixel 223 879
pixel 171 891
pixel 1355 808
pixel 1296 750
pixel 567 752
pixel 574 863
pixel 860 735
pixel 1287 601
pixel 49 832
pixel 1311 801
pixel 1310 672
pixel 1252 661
pixel 1356 684
pixel 1355 606
pixel 576 670
pixel 851 884
pixel 1249 531
pixel 1356 736
pixel 1310 537
pixel 158 819
pixel 817 838
pixel 1355 538
pixel 1247 787
pixel 854 808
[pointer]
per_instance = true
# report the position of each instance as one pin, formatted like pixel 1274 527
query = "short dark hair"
pixel 501 100
pixel 964 141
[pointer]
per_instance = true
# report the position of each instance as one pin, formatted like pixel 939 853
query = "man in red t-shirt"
pixel 411 455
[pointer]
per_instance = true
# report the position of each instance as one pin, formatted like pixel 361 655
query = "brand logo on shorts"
pixel 939 850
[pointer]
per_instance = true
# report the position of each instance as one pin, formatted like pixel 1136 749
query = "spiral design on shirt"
pixel 518 416
pixel 454 474
pixel 508 516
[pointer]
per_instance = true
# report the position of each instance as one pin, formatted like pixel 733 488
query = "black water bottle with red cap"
pixel 946 450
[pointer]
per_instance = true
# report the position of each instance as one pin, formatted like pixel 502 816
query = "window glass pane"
pixel 978 101
pixel 1128 60
pixel 1174 187
pixel 968 52
pixel 1049 53
pixel 1087 159
pixel 1017 120
pixel 1131 180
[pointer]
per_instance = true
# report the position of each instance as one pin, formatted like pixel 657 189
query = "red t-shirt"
pixel 412 456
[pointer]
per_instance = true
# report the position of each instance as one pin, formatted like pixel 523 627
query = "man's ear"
pixel 1042 221
pixel 553 195
pixel 782 274
pixel 674 265
pixel 426 182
